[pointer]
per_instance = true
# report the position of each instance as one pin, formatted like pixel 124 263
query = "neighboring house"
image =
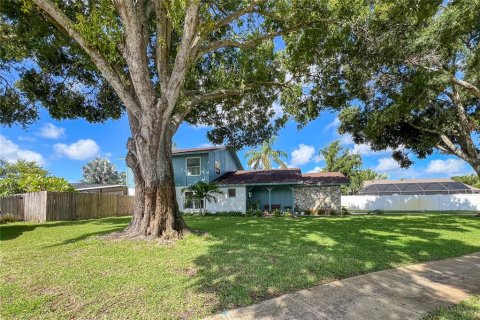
pixel 117 189
pixel 284 189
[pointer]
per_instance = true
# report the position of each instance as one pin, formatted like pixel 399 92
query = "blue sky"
pixel 63 147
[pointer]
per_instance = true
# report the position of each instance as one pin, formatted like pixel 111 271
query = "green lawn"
pixel 62 270
pixel 466 310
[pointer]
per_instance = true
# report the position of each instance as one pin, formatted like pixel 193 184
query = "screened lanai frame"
pixel 416 188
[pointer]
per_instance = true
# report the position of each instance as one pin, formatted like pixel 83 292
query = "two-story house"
pixel 284 189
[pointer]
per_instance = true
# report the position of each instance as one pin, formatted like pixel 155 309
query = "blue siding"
pixel 180 169
pixel 227 163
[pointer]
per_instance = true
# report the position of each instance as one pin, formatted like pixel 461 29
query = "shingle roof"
pixel 275 176
pixel 324 178
pixel 260 176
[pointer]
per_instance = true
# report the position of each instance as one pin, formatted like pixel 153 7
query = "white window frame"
pixel 199 167
pixel 219 167
pixel 228 192
pixel 196 204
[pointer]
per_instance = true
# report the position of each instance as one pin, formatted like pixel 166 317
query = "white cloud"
pixel 315 170
pixel 81 150
pixel 26 138
pixel 332 125
pixel 386 164
pixel 346 139
pixel 302 155
pixel 448 166
pixel 51 131
pixel 12 152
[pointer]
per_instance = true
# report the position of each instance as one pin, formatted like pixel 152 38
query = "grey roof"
pixel 280 176
pixel 202 149
pixel 416 186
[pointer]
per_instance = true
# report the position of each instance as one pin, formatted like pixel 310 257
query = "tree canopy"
pixel 102 171
pixel 405 75
pixel 161 62
pixel 339 159
pixel 24 176
pixel 472 180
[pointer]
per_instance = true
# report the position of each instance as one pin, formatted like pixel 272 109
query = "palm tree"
pixel 262 158
pixel 201 191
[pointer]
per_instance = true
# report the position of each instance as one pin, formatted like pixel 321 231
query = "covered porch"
pixel 270 197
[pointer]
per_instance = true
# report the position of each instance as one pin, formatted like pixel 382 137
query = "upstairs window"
pixel 218 167
pixel 232 193
pixel 193 166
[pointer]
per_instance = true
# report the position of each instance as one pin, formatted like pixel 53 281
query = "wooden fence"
pixel 59 206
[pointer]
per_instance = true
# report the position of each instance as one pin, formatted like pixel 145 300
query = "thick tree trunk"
pixel 476 166
pixel 156 213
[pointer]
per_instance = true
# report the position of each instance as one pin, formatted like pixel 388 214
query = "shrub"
pixel 288 214
pixel 220 213
pixel 252 205
pixel 7 217
pixel 345 211
pixel 376 211
pixel 276 213
pixel 254 213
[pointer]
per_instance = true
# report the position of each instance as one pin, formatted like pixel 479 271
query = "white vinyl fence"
pixel 440 202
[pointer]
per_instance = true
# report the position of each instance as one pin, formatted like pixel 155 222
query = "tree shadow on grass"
pixel 11 231
pixel 251 260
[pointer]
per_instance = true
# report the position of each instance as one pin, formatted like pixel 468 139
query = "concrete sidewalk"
pixel 403 293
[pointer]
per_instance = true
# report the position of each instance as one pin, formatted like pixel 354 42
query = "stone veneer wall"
pixel 317 197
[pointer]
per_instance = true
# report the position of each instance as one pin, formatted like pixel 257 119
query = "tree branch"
pixel 163 44
pixel 465 132
pixel 183 57
pixel 250 43
pixel 135 25
pixel 115 80
pixel 236 15
pixel 470 87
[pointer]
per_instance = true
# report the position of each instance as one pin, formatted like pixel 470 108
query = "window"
pixel 218 167
pixel 232 193
pixel 191 203
pixel 193 166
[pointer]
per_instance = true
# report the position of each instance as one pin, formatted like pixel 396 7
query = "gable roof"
pixel 209 149
pixel 195 150
pixel 280 176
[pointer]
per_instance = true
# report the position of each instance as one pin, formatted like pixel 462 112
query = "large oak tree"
pixel 162 62
pixel 404 73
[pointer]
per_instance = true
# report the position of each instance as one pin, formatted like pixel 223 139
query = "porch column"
pixel 269 198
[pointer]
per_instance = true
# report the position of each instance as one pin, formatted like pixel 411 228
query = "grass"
pixel 465 310
pixel 62 270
